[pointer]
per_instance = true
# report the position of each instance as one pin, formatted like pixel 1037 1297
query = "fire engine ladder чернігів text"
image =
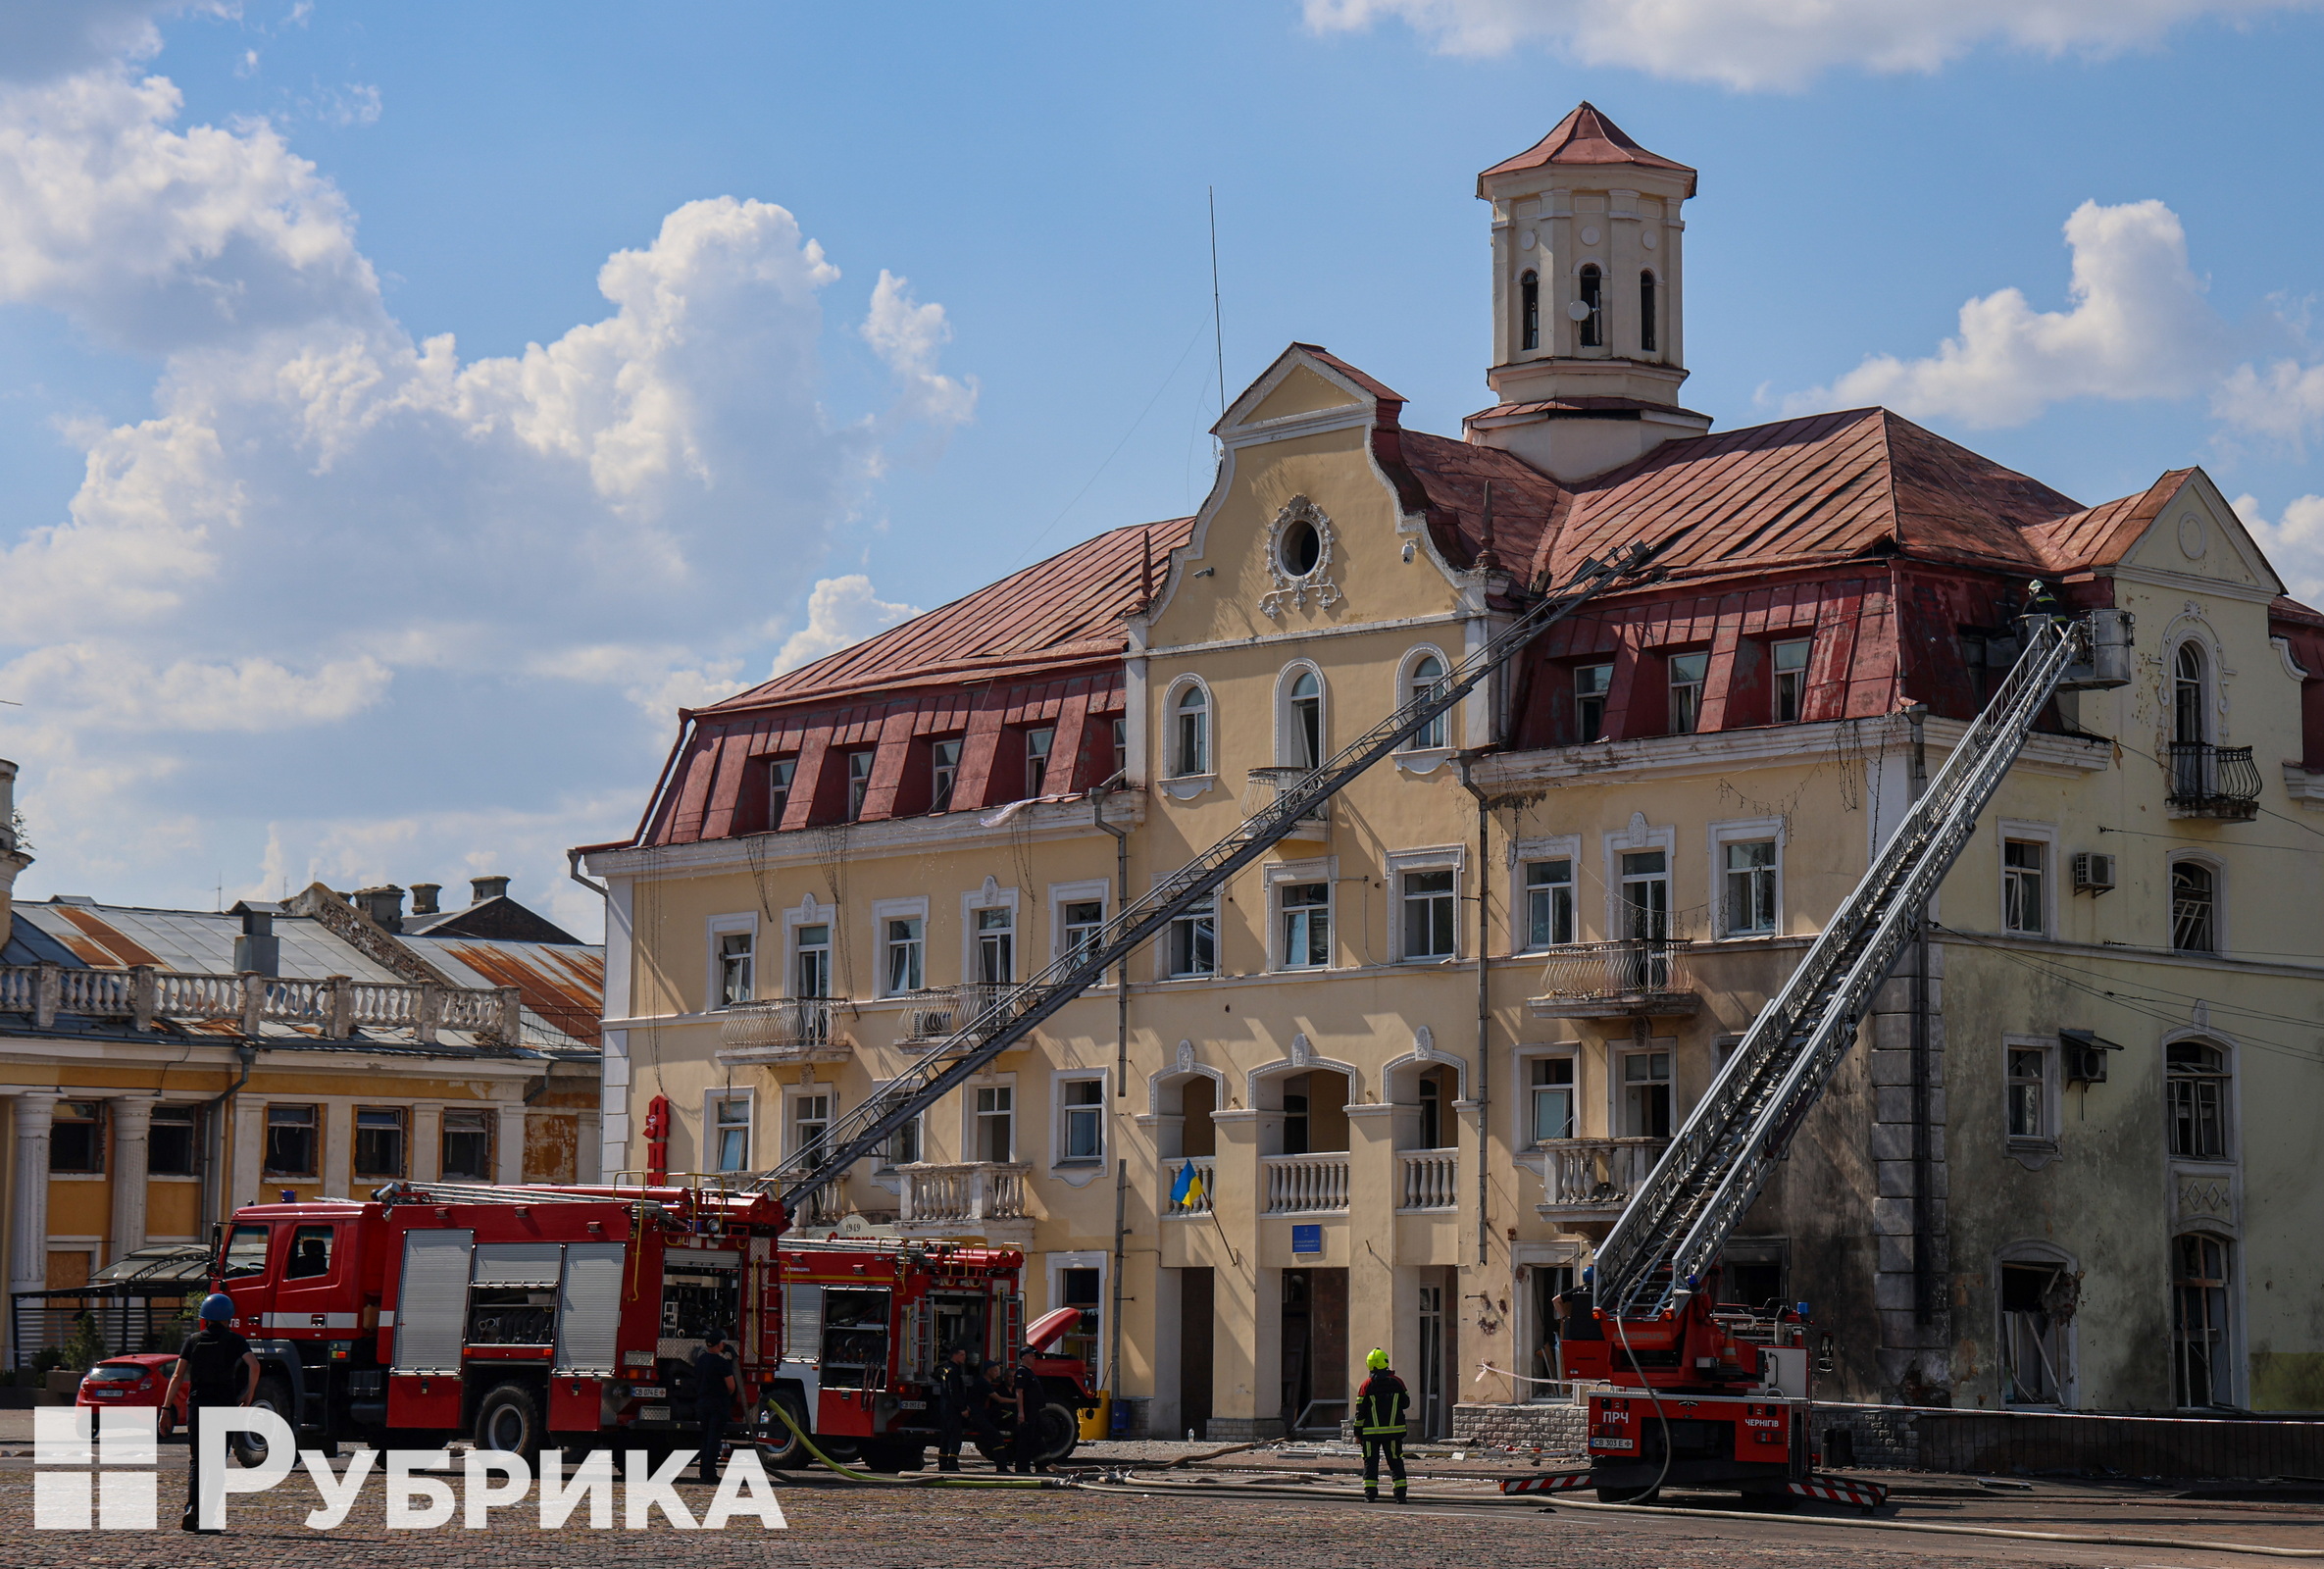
pixel 1667 1238
pixel 1017 1011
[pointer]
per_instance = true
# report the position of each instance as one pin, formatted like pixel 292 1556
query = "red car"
pixel 137 1379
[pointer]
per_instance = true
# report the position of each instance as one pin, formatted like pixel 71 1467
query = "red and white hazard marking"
pixel 1554 1482
pixel 1839 1489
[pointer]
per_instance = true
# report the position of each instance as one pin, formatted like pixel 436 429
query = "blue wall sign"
pixel 1308 1238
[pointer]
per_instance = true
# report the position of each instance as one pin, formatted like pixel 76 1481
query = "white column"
pixel 613 1122
pixel 133 1128
pixel 426 1162
pixel 509 1147
pixel 27 1252
pixel 250 1139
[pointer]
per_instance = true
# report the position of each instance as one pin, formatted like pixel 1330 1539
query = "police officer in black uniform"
pixel 714 1396
pixel 1029 1395
pixel 218 1369
pixel 960 1407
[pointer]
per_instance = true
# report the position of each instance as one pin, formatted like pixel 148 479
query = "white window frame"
pixel 2043 1143
pixel 1058 1080
pixel 1743 831
pixel 1170 748
pixel 712 1129
pixel 1218 947
pixel 1286 729
pixel 1565 847
pixel 972 1150
pixel 1277 876
pixel 1062 894
pixel 1619 842
pixel 2217 867
pixel 1440 858
pixel 791 1096
pixel 1424 758
pixel 1521 1135
pixel 992 896
pixel 883 912
pixel 808 913
pixel 1618 1055
pixel 1055 1266
pixel 725 926
pixel 1672 684
pixel 2045 834
pixel 1775 676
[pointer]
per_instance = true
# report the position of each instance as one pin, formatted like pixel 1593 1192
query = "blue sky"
pixel 404 408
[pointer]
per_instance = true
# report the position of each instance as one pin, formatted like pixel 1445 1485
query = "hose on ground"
pixel 941 1479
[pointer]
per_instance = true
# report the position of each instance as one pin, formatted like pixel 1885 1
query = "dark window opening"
pixel 1592 684
pixel 468 1146
pixel 291 1141
pixel 378 1142
pixel 859 783
pixel 2201 1374
pixel 1036 760
pixel 1647 313
pixel 1529 312
pixel 1593 320
pixel 780 771
pixel 310 1253
pixel 1302 550
pixel 2187 696
pixel 1791 679
pixel 77 1138
pixel 2194 908
pixel 2194 1085
pixel 1687 675
pixel 943 767
pixel 170 1149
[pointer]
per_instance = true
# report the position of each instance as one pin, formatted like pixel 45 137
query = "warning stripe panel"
pixel 1555 1481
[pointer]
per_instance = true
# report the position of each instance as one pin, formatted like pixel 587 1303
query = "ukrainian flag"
pixel 1188 1187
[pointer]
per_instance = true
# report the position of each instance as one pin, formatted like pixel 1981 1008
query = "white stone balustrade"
pixel 1305 1184
pixel 1428 1178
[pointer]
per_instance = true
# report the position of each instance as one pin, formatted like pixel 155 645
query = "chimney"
pixel 12 858
pixel 258 949
pixel 424 897
pixel 488 887
pixel 385 905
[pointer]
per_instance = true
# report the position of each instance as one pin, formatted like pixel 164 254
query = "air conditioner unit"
pixel 2093 873
pixel 2085 1056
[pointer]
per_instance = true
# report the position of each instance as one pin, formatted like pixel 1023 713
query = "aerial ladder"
pixel 1649 1319
pixel 1015 1012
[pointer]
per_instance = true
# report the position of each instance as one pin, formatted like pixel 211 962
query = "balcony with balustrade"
pixel 783 1029
pixel 1594 1179
pixel 1304 1184
pixel 2216 782
pixel 979 1199
pixel 1427 1179
pixel 333 1008
pixel 1632 979
pixel 1276 782
pixel 1196 1203
pixel 941 1012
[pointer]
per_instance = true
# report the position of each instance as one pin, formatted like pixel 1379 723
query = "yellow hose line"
pixel 1562 1501
pixel 939 1481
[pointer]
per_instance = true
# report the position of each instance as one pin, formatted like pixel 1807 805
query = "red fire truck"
pixel 526 1317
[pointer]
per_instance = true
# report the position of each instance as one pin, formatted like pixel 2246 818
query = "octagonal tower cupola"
pixel 1588 299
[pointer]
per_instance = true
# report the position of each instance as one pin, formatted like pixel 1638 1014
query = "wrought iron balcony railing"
pixel 2209 780
pixel 1636 975
pixel 779 1029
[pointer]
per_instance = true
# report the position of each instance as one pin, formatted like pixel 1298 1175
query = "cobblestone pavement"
pixel 862 1527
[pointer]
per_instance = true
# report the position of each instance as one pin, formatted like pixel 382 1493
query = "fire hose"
pixel 942 1480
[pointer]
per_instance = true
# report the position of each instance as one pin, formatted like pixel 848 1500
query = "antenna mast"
pixel 1217 326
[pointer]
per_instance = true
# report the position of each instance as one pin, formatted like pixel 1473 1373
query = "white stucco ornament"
pixel 1527 241
pixel 2193 537
pixel 1590 236
pixel 1300 545
pixel 1647 240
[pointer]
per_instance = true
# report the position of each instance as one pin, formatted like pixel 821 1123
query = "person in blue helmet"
pixel 218 1369
pixel 1379 1425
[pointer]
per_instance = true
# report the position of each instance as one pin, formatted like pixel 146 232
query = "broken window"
pixel 2194 1085
pixel 2037 1304
pixel 291 1145
pixel 2194 907
pixel 378 1140
pixel 1036 760
pixel 780 771
pixel 2023 910
pixel 943 773
pixel 2029 1096
pixel 1686 672
pixel 859 781
pixel 2200 1373
pixel 1592 682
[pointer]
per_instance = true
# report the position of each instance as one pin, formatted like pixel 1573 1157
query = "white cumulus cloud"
pixel 487 580
pixel 839 612
pixel 1783 43
pixel 2294 542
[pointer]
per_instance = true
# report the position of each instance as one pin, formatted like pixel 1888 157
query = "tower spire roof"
pixel 1586 137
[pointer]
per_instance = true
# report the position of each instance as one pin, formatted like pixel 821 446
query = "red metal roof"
pixel 1066 610
pixel 1586 137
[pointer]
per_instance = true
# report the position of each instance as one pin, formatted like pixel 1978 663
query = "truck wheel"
pixel 508 1421
pixel 250 1451
pixel 781 1447
pixel 1060 1431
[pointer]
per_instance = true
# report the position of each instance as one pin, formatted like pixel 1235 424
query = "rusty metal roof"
pixel 562 986
pixel 1586 137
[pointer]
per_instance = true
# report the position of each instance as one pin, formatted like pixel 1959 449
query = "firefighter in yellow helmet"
pixel 1379 1425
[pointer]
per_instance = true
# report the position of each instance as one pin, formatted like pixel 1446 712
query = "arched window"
pixel 2201 1373
pixel 1647 313
pixel 2195 1089
pixel 2187 693
pixel 1528 311
pixel 1303 727
pixel 1190 733
pixel 1428 671
pixel 1594 319
pixel 2195 903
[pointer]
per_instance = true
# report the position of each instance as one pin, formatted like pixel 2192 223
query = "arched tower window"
pixel 1528 311
pixel 1191 738
pixel 1306 721
pixel 2187 693
pixel 1647 313
pixel 1594 324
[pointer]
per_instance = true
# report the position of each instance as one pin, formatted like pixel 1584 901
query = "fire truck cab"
pixel 523 1318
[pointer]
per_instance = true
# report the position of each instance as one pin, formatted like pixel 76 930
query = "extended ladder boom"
pixel 1666 1239
pixel 1017 1011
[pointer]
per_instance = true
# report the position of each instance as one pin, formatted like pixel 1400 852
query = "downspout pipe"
pixel 1483 1001
pixel 573 859
pixel 1120 835
pixel 213 1168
